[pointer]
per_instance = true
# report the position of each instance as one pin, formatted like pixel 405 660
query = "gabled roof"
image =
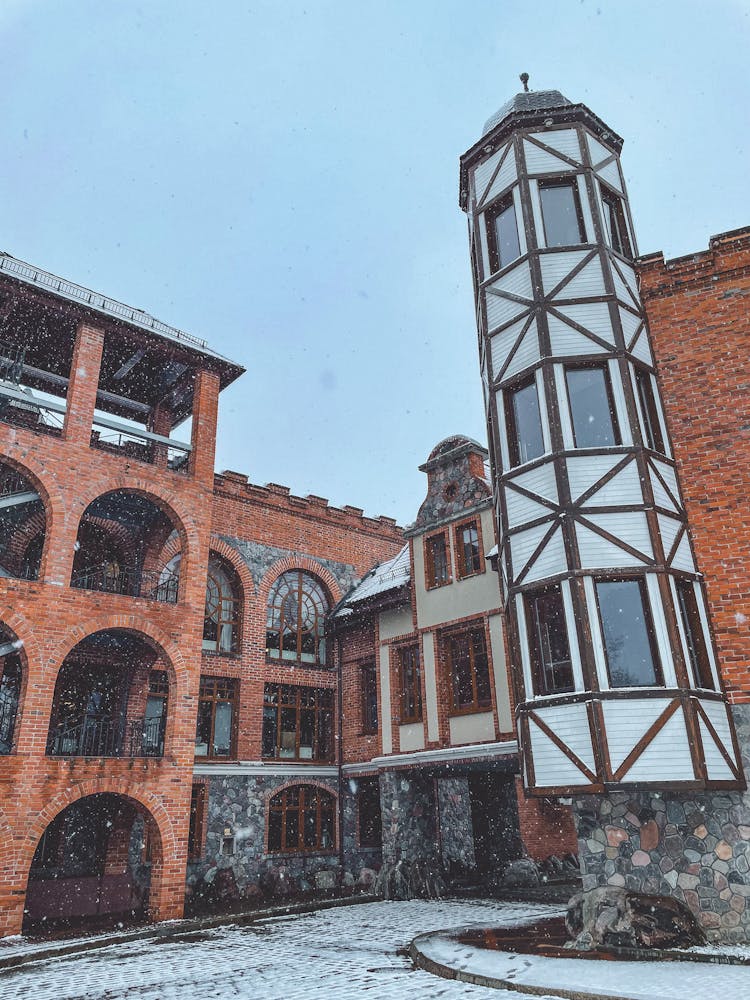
pixel 388 576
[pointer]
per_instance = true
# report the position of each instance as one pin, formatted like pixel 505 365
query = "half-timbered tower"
pixel 616 678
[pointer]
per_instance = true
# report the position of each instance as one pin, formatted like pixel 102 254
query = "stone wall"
pixel 456 831
pixel 694 847
pixel 407 801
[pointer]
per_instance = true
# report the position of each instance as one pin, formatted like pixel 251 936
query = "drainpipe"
pixel 340 753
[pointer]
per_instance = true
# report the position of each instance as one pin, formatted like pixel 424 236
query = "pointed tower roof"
pixel 525 102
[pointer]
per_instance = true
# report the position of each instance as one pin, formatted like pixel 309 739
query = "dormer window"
pixel 561 213
pixel 502 234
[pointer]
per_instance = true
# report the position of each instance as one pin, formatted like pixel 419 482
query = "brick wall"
pixel 698 309
pixel 546 826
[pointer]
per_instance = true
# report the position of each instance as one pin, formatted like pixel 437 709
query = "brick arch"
pixel 35 473
pixel 305 563
pixel 296 783
pixel 7 845
pixel 238 564
pixel 30 655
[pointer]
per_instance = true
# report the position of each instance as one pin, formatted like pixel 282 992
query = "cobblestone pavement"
pixel 339 954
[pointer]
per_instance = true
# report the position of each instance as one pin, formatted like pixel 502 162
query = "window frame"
pixel 232 603
pixel 197 821
pixel 368 685
pixel 277 804
pixel 536 654
pixel 608 195
pixel 559 182
pixel 319 708
pixel 214 698
pixel 431 580
pixel 491 215
pixel 414 687
pixel 511 426
pixel 692 625
pixel 462 573
pixel 610 397
pixel 648 619
pixel 323 608
pixel 447 640
pixel 648 408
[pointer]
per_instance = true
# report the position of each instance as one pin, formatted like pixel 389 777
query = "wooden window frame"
pixel 315 593
pixel 604 368
pixel 227 609
pixel 462 572
pixel 572 183
pixel 277 804
pixel 368 681
pixel 431 581
pixel 608 195
pixel 405 717
pixel 692 626
pixel 536 654
pixel 447 639
pixel 298 691
pixel 197 821
pixel 490 217
pixel 653 436
pixel 650 632
pixel 215 697
pixel 511 428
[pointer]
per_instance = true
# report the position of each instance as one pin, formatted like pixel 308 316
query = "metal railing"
pixel 8 711
pixel 145 446
pixel 20 407
pixel 92 737
pixel 130 581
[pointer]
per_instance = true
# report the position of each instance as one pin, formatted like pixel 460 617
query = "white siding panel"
pixel 598 553
pixel 683 558
pixel 630 526
pixel 557 264
pixel 484 171
pixel 611 175
pixel 670 478
pixel 660 629
pixel 551 766
pixel 623 419
pixel 536 209
pixel 523 543
pixel 623 290
pixel 632 282
pixel 587 283
pixel 661 497
pixel 486 270
pixel 597 151
pixel 564 340
pixel 668 528
pixel 630 324
pixel 716 767
pixel 501 344
pixel 564 140
pixel 588 220
pixel 627 721
pixel 570 624
pixel 563 407
pixel 500 311
pixel 540 481
pixel 667 757
pixel 585 471
pixel 543 410
pixel 519 218
pixel 527 353
pixel 641 349
pixel 523 640
pixel 571 724
pixel 624 488
pixel 706 631
pixel 521 509
pixel 539 161
pixel 596 633
pixel 517 281
pixel 550 561
pixel 506 176
pixel 593 315
pixel 717 711
pixel 503 430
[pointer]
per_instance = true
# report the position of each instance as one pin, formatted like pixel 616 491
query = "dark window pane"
pixel 696 641
pixel 627 634
pixel 269 732
pixel 614 223
pixel 368 807
pixel 548 640
pixel 274 830
pixel 223 729
pixel 467 539
pixel 292 829
pixel 591 408
pixel 525 431
pixel 437 561
pixel 311 826
pixel 652 436
pixel 562 215
pixel 506 235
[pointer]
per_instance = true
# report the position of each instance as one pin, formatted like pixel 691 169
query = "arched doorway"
pixel 92 865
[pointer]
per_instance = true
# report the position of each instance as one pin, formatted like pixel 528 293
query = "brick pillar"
pixel 161 423
pixel 84 382
pixel 205 411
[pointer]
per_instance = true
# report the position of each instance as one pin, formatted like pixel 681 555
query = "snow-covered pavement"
pixel 338 954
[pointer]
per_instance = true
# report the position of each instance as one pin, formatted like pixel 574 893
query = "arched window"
pixel 301 818
pixel 220 621
pixel 297 606
pixel 10 692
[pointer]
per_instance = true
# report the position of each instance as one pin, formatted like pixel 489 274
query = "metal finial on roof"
pixel 525 81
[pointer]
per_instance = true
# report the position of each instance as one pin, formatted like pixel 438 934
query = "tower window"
pixel 694 635
pixel 524 423
pixel 561 213
pixel 436 561
pixel 592 408
pixel 628 634
pixel 614 222
pixel 502 234
pixel 548 641
pixel 652 435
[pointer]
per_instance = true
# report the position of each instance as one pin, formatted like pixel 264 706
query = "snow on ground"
pixel 338 954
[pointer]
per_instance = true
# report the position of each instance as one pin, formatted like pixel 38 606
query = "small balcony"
pixel 129 580
pixel 92 737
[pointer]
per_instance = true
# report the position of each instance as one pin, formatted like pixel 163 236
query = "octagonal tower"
pixel 615 674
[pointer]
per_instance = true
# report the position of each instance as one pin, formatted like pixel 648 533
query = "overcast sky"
pixel 281 178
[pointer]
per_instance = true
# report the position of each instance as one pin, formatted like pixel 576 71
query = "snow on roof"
pixel 390 575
